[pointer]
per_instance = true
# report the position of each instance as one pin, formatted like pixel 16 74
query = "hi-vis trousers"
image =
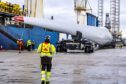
pixel 46 72
pixel 46 66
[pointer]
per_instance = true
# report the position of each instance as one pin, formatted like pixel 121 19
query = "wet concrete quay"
pixel 106 66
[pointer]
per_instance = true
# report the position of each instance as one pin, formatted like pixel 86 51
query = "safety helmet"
pixel 20 39
pixel 47 38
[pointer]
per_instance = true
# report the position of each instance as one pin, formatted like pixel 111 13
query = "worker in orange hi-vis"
pixel 20 44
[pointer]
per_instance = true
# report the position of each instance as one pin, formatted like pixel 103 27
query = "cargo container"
pixel 92 20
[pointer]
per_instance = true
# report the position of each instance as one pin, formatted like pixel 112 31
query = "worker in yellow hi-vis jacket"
pixel 46 50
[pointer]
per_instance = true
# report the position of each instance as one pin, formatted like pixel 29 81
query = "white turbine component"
pixel 100 35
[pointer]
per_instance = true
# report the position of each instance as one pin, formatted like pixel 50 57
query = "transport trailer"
pixel 77 43
pixel 99 35
pixel 68 45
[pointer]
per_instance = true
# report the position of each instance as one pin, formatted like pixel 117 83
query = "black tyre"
pixel 113 46
pixel 86 50
pixel 92 50
pixel 58 49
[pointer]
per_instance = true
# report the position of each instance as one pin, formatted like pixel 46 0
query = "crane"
pixel 114 18
pixel 34 8
pixel 80 7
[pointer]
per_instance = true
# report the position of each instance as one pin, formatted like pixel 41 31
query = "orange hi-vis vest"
pixel 46 47
pixel 19 42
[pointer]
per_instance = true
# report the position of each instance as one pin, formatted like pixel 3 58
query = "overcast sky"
pixel 63 9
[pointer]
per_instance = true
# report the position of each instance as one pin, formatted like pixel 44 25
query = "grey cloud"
pixel 58 3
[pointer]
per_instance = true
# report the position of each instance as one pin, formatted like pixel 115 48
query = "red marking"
pixel 46 42
pixel 45 49
pixel 19 18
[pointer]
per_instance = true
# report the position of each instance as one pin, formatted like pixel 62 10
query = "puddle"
pixel 35 72
pixel 64 73
pixel 3 69
pixel 19 81
pixel 1 61
pixel 2 75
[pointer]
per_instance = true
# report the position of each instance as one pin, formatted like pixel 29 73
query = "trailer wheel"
pixel 58 49
pixel 113 46
pixel 87 49
pixel 92 50
pixel 65 50
pixel 61 49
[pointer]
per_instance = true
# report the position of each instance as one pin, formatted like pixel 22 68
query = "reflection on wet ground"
pixel 107 66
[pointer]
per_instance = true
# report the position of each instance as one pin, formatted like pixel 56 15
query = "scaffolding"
pixel 117 27
pixel 100 12
pixel 115 16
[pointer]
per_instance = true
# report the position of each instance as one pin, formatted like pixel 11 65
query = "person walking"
pixel 46 50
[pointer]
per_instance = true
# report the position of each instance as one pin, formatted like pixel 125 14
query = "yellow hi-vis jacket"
pixel 29 42
pixel 46 49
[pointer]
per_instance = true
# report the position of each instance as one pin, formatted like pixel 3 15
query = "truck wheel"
pixel 86 49
pixel 113 46
pixel 61 49
pixel 58 49
pixel 89 50
pixel 65 50
pixel 92 50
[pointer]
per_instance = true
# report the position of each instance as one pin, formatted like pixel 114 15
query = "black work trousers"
pixel 29 48
pixel 46 63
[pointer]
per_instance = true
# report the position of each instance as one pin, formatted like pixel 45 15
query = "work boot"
pixel 43 82
pixel 47 82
